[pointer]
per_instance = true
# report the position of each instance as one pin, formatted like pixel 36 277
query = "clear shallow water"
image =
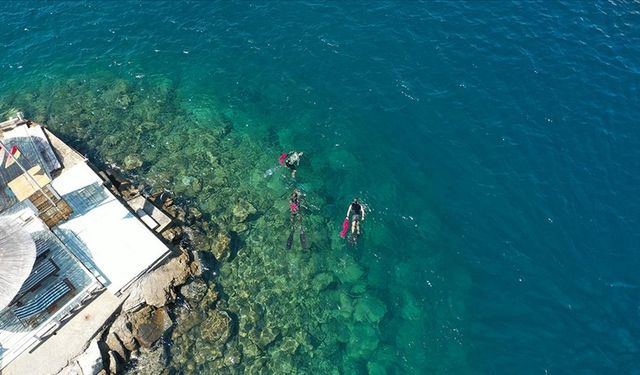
pixel 495 144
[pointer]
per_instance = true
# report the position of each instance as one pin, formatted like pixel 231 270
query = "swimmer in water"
pixel 358 215
pixel 293 161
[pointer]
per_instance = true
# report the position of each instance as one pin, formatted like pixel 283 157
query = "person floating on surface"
pixel 293 161
pixel 358 215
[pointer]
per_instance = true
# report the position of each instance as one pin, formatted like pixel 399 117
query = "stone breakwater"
pixel 132 341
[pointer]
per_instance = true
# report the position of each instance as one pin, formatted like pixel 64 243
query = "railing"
pixel 12 122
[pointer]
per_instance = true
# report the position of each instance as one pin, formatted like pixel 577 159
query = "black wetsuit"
pixel 294 199
pixel 356 209
pixel 289 164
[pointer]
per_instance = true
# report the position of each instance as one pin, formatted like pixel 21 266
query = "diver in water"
pixel 294 207
pixel 293 161
pixel 358 215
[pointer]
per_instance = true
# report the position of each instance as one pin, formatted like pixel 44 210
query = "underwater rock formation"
pixel 216 327
pixel 131 161
pixel 242 209
pixel 221 247
pixel 194 291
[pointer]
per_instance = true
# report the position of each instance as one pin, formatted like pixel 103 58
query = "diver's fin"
pixel 290 240
pixel 303 238
pixel 353 239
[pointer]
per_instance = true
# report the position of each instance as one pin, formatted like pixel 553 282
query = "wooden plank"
pixel 23 187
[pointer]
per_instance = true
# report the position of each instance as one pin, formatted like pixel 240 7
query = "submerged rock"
pixel 410 308
pixel 363 341
pixel 221 247
pixel 132 161
pixel 349 270
pixel 151 361
pixel 369 309
pixel 216 327
pixel 194 291
pixel 242 210
pixel 267 336
pixel 322 281
pixel 289 345
pixel 345 304
pixel 382 360
pixel 232 357
pixel 359 288
pixel 250 349
pixel 239 227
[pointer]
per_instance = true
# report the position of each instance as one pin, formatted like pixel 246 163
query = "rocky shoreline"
pixel 320 309
pixel 132 341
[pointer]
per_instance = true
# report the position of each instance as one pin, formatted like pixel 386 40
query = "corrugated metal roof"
pixel 17 254
pixel 34 150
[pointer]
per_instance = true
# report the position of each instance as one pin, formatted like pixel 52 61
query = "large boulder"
pixel 149 325
pixel 197 268
pixel 113 342
pixel 157 289
pixel 121 328
pixel 115 362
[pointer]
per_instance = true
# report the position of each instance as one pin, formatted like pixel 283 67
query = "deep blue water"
pixel 496 143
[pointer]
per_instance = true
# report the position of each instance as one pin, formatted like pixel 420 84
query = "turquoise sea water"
pixel 495 143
